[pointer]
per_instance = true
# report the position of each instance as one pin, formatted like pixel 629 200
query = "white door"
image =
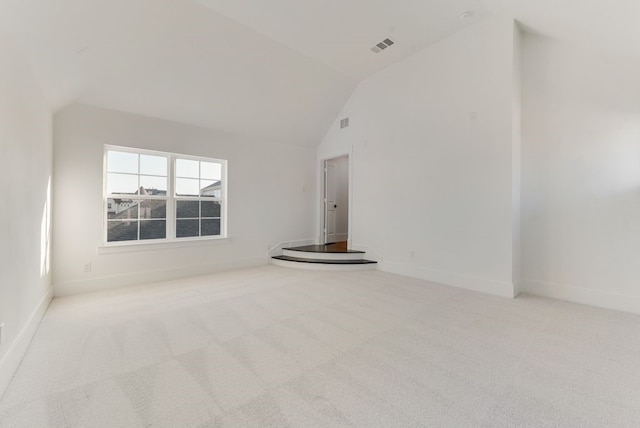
pixel 330 202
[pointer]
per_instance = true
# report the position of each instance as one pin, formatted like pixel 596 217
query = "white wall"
pixel 432 170
pixel 581 175
pixel 270 199
pixel 25 168
pixel 516 159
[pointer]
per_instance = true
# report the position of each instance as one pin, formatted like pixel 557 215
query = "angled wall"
pixel 25 174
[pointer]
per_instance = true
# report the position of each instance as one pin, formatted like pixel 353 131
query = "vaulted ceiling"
pixel 277 69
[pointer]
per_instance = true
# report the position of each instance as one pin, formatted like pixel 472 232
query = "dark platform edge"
pixel 324 261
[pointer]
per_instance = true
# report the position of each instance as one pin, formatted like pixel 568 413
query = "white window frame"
pixel 171 198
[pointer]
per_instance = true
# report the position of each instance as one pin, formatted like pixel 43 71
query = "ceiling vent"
pixel 344 123
pixel 379 47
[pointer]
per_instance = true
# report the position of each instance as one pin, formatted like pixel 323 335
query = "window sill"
pixel 154 246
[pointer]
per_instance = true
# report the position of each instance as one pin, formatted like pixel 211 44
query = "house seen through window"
pixel 162 196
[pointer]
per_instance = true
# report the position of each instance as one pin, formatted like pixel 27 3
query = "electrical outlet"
pixel 86 267
pixel 412 254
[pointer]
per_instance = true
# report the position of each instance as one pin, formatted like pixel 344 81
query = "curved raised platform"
pixel 323 257
pixel 323 264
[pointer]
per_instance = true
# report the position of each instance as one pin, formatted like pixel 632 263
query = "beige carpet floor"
pixel 277 347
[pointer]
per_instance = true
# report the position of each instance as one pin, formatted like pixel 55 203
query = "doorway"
pixel 336 200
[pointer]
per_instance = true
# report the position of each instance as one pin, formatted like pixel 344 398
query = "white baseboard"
pixel 134 278
pixel 518 287
pixel 585 296
pixel 12 359
pixel 483 285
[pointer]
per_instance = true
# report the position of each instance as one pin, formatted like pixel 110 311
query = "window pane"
pixel 122 231
pixel 187 187
pixel 188 209
pixel 154 185
pixel 122 209
pixel 153 165
pixel 210 188
pixel 153 209
pixel 185 228
pixel 210 227
pixel 210 209
pixel 122 162
pixel 122 183
pixel 210 170
pixel 187 168
pixel 153 229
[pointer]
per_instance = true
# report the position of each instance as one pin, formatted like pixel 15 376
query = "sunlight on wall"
pixel 45 234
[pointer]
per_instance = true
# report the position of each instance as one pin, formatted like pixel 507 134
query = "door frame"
pixel 322 195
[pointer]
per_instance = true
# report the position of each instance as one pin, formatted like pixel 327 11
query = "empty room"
pixel 319 213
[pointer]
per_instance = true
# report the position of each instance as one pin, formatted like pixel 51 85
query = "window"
pixel 156 196
pixel 198 197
